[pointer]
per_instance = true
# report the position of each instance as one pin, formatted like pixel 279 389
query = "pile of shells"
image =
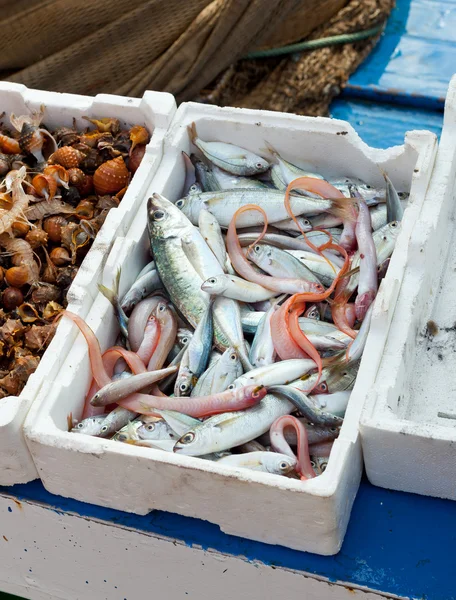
pixel 57 188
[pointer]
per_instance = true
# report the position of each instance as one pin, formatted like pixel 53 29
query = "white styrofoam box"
pixel 154 110
pixel 407 445
pixel 310 515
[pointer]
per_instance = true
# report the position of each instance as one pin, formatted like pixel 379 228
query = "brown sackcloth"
pixel 128 46
pixel 304 83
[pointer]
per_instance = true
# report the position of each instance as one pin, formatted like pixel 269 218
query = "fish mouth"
pixel 154 202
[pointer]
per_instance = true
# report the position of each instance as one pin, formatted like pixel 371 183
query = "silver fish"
pixel 225 203
pixel 90 425
pixel 228 328
pixel 305 406
pixel 228 430
pixel 226 181
pixel 117 390
pixel 276 374
pixel 115 420
pixel 204 176
pixel 262 351
pixel 227 369
pixel 157 430
pixel 267 462
pixel 278 263
pixel 335 404
pixel 212 234
pixel 231 158
pixel 142 287
pixel 236 288
pixel 167 225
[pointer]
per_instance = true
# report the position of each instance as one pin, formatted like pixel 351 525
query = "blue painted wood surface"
pixel 396 543
pixel 416 57
pixel 381 124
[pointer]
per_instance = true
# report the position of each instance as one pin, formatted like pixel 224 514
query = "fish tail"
pixel 192 132
pixel 343 208
pixel 109 294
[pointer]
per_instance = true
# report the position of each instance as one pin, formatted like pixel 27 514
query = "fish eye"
pixel 104 428
pixel 150 427
pixel 368 186
pixel 283 465
pixel 384 238
pixel 193 188
pixel 212 280
pixel 259 165
pixel 306 222
pixel 80 425
pixel 393 224
pixel 233 356
pixel 180 203
pixel 333 429
pixel 313 465
pixel 323 466
pixel 161 308
pixel 187 438
pixel 231 387
pixel 185 340
pixel 183 387
pixel 324 387
pixel 158 215
pixel 257 248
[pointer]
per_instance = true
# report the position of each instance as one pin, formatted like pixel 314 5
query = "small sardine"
pixel 278 373
pixel 262 351
pixel 267 462
pixel 228 430
pixel 90 426
pixel 230 158
pixel 305 406
pixel 236 288
pixel 113 297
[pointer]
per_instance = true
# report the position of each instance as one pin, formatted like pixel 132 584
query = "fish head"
pixel 254 393
pixel 256 164
pixel 192 442
pixel 164 219
pixel 393 229
pixel 215 285
pixel 258 252
pixel 280 464
pixel 184 336
pixel 158 430
pixel 184 383
pixel 89 426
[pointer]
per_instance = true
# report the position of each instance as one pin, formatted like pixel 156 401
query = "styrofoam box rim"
pixel 341 475
pixel 377 418
pixel 154 110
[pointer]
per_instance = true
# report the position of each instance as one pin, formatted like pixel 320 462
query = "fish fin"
pixel 341 208
pixel 227 422
pixel 350 273
pixel 107 293
pixel 192 132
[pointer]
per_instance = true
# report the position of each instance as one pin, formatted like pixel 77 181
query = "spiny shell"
pixel 111 176
pixel 67 156
pixel 31 139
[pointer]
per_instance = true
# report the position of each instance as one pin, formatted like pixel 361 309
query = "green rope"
pixel 345 38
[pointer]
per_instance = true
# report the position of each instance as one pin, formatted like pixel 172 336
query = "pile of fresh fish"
pixel 241 341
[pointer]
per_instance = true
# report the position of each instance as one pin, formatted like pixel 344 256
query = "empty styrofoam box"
pixel 154 111
pixel 408 424
pixel 310 515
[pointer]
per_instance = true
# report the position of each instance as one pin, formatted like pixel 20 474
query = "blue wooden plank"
pixel 415 59
pixel 397 543
pixel 384 125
